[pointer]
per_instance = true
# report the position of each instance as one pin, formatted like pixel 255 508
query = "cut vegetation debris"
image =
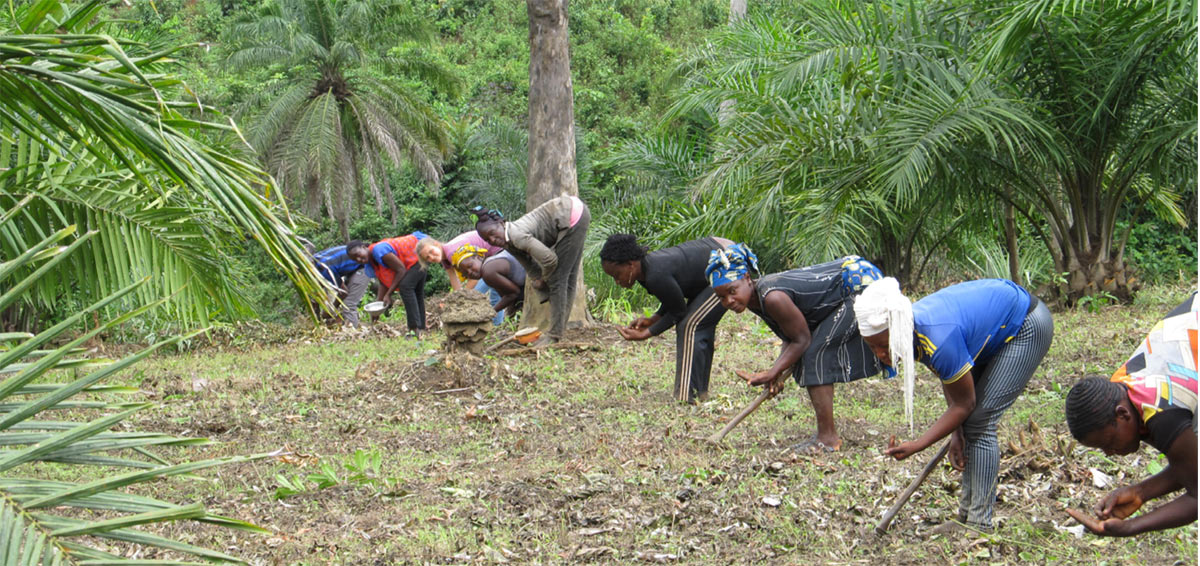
pixel 400 456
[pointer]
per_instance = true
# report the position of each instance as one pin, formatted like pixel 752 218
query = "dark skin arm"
pixel 639 329
pixel 645 321
pixel 957 459
pixel 791 321
pixel 666 288
pixel 393 262
pixel 1180 473
pixel 960 401
pixel 496 274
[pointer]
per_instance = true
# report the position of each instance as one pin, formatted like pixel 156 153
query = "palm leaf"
pixel 33 528
pixel 92 125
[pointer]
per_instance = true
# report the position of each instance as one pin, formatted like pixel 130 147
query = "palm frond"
pixel 36 524
pixel 340 60
pixel 59 94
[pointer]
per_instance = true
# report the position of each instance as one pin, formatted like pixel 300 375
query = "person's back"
pixel 504 264
pixel 816 290
pixel 546 222
pixel 1160 376
pixel 683 263
pixel 335 263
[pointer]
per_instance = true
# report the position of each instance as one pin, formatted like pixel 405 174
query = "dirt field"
pixel 395 454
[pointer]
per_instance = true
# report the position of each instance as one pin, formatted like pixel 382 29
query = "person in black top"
pixel 676 277
pixel 812 310
pixel 1151 398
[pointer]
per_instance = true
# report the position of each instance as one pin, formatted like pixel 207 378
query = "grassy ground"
pixel 398 455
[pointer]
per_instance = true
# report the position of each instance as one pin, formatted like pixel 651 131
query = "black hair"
pixel 1091 405
pixel 355 244
pixel 486 216
pixel 621 248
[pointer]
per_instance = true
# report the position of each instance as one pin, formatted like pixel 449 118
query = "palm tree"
pixel 798 166
pixel 75 510
pixel 867 114
pixel 93 138
pixel 1115 83
pixel 344 112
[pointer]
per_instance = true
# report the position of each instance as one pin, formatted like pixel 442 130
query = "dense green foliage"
pixel 64 476
pixel 97 133
pixel 875 128
pixel 343 110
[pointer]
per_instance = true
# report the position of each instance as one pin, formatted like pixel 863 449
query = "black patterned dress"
pixel 837 353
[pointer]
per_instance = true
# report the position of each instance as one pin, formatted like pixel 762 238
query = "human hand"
pixel 641 322
pixel 902 450
pixel 756 378
pixel 957 458
pixel 1120 503
pixel 634 333
pixel 1105 528
pixel 539 284
pixel 387 302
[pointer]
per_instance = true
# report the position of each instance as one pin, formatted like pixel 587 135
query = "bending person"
pixel 1151 399
pixel 400 265
pixel 812 310
pixel 342 267
pixel 548 241
pixel 983 339
pixel 675 276
pixel 457 278
pixel 502 276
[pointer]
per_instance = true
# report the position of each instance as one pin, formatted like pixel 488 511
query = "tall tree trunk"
pixel 551 171
pixel 1010 242
pixel 737 11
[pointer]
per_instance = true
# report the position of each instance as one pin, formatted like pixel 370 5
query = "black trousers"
pixel 412 292
pixel 695 338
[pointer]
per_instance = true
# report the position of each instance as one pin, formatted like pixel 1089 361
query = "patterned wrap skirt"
pixel 837 353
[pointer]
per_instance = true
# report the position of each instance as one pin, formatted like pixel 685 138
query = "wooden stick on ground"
pixel 912 488
pixel 526 350
pixel 767 393
pixel 500 343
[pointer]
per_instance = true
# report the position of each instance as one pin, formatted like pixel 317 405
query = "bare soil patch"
pixel 579 455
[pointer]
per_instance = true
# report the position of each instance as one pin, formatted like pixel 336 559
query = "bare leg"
pixel 821 397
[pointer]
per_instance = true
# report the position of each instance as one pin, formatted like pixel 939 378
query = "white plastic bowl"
pixel 375 307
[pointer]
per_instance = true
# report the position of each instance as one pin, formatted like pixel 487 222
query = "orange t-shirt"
pixel 405 248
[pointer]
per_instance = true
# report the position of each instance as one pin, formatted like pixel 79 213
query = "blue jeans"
pixel 493 297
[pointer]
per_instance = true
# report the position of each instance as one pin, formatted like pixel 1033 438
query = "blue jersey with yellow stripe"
pixel 964 325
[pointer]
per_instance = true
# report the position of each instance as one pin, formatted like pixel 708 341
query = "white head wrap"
pixel 882 306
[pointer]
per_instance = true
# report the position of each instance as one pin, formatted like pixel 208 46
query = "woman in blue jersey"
pixel 983 339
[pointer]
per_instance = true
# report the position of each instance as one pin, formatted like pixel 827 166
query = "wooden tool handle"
pixel 912 488
pixel 766 394
pixel 500 343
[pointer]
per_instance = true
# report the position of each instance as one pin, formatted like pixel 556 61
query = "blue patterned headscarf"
pixel 730 264
pixel 858 273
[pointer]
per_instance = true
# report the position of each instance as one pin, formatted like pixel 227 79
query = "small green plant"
pixel 1156 465
pixel 706 475
pixel 615 309
pixel 364 468
pixel 1093 303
